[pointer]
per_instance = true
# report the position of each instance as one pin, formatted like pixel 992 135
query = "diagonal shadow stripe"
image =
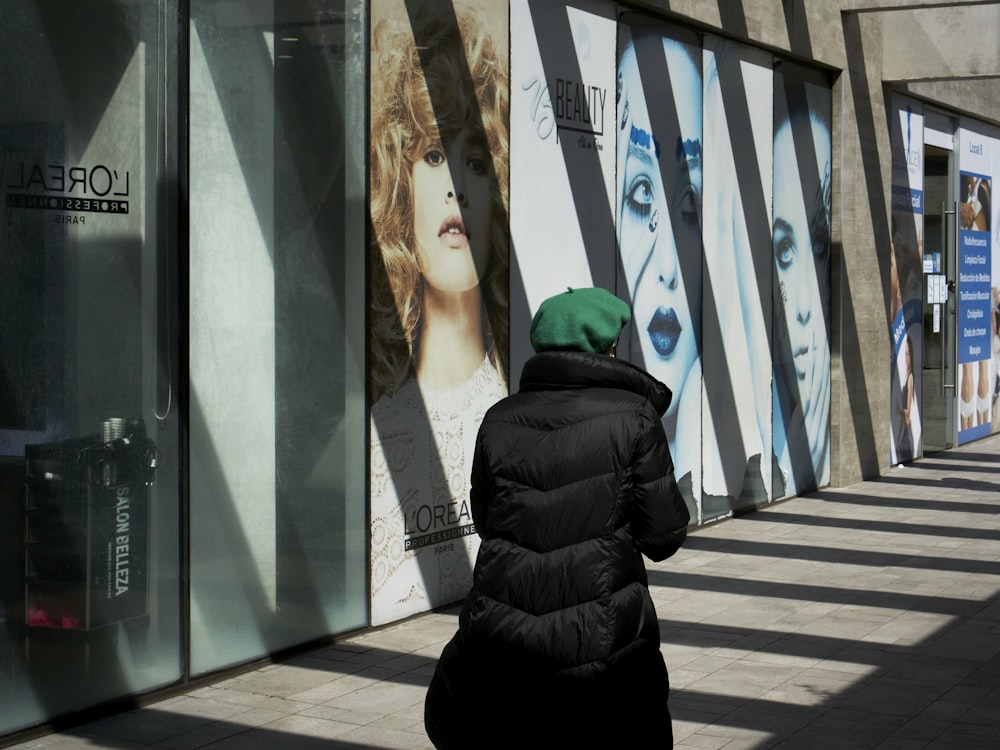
pixel 952 483
pixel 733 17
pixel 681 633
pixel 991 468
pixel 796 23
pixel 229 734
pixel 815 593
pixel 895 528
pixel 987 507
pixel 991 459
pixel 844 556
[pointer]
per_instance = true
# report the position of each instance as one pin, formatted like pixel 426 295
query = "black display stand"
pixel 87 533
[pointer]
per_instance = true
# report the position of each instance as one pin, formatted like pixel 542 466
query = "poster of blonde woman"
pixel 439 287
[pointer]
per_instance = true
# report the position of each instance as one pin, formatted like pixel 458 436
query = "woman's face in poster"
pixel 659 212
pixel 801 244
pixel 452 210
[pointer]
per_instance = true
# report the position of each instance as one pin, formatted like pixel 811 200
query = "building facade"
pixel 266 264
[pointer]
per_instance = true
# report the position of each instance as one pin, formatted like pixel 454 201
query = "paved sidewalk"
pixel 864 617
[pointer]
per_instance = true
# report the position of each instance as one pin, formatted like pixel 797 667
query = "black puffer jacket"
pixel 572 480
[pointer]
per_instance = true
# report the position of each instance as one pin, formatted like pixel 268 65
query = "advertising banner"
pixel 906 279
pixel 801 292
pixel 976 372
pixel 724 238
pixel 439 287
pixel 736 351
pixel 658 200
pixel 562 146
pixel 994 284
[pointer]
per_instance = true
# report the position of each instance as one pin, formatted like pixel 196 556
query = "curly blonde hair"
pixel 401 115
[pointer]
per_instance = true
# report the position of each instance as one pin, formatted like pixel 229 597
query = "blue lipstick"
pixel 664 331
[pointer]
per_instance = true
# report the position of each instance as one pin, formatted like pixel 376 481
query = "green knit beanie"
pixel 579 320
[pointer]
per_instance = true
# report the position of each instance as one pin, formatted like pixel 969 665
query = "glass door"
pixel 938 392
pixel 277 314
pixel 89 422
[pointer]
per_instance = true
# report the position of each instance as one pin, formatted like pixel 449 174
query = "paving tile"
pixel 734 738
pixel 922 728
pixel 284 680
pixel 381 737
pixel 744 679
pixel 966 643
pixel 933 669
pixel 67 741
pixel 894 697
pixel 970 736
pixel 682 678
pixel 986 712
pixel 699 707
pixel 400 722
pixel 329 713
pixel 209 734
pixel 702 741
pixel 390 697
pixel 228 695
pixel 710 664
pixel 811 687
pixel 197 708
pixel 280 705
pixel 148 727
pixel 900 743
pixel 305 726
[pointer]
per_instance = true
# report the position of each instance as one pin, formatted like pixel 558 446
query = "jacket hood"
pixel 565 370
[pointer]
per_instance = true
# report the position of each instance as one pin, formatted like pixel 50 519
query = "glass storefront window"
pixel 277 439
pixel 89 468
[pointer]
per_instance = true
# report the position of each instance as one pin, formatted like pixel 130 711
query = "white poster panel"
pixel 736 413
pixel 562 145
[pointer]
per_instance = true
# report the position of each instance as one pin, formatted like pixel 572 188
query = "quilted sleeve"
pixel 659 515
pixel 480 482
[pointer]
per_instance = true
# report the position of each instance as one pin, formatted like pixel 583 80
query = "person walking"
pixel 558 643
